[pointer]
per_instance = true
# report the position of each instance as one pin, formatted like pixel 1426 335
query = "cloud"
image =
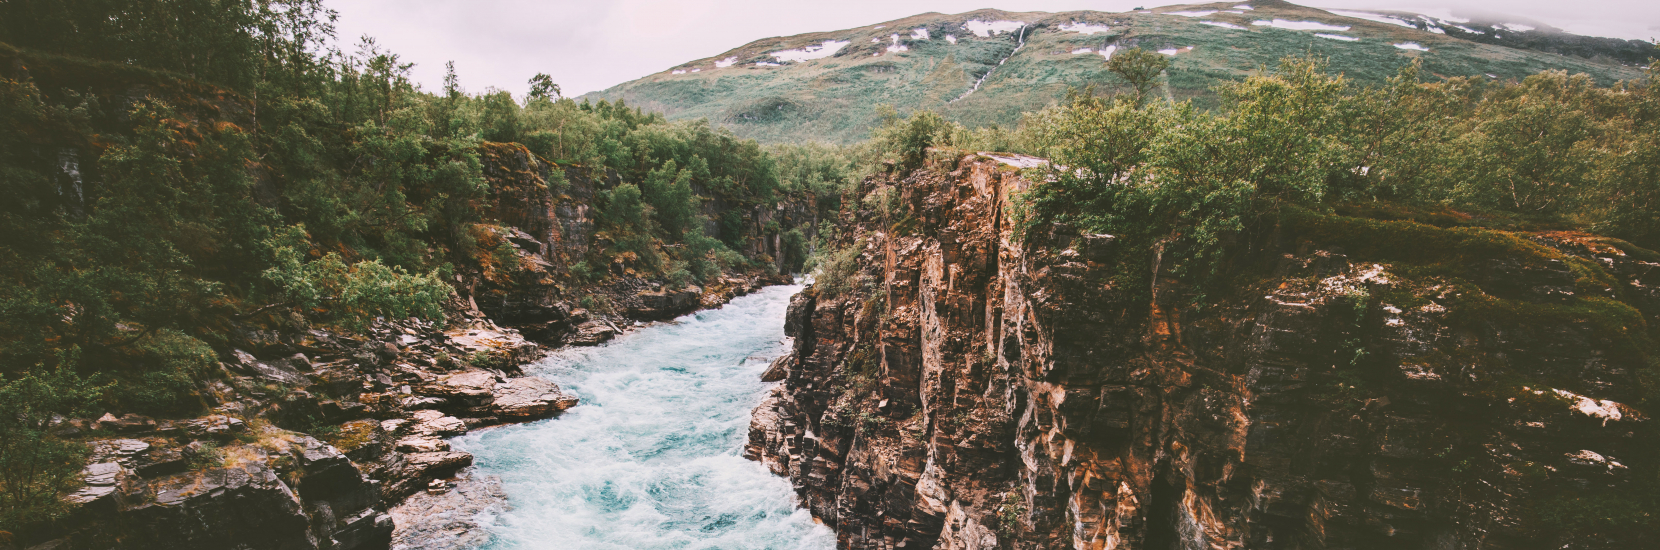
pixel 590 45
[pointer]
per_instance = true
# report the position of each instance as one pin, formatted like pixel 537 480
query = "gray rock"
pixel 451 520
pixel 529 398
pixel 281 372
pixel 591 333
pixel 776 371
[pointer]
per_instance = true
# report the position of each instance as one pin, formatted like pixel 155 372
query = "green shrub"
pixel 36 467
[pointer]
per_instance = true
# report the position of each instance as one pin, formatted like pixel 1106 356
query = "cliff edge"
pixel 1368 383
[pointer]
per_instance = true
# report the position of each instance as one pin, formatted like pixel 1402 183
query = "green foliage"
pixel 251 41
pixel 350 295
pixel 204 455
pixel 543 88
pixel 1180 184
pixel 169 364
pixel 905 140
pixel 1011 513
pixel 835 100
pixel 1189 186
pixel 1141 68
pixel 795 250
pixel 484 360
pixel 872 422
pixel 835 270
pixel 36 467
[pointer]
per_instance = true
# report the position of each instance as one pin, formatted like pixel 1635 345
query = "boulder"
pixel 370 529
pixel 466 508
pixel 504 345
pixel 422 444
pixel 664 304
pixel 472 387
pixel 282 371
pixel 130 423
pixel 242 506
pixel 530 398
pixel 361 440
pixel 776 371
pixel 327 475
pixel 434 423
pixel 407 474
pixel 103 480
pixel 219 427
pixel 591 333
pixel 161 461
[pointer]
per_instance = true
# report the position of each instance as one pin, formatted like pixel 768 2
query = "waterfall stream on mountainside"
pixel 651 458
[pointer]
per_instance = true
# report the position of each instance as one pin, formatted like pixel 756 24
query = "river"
pixel 651 457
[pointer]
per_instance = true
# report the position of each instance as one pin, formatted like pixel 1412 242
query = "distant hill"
pixel 827 86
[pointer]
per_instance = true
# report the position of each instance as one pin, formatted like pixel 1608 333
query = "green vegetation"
pixel 36 468
pixel 836 99
pixel 1141 68
pixel 1441 181
pixel 160 201
pixel 1191 184
pixel 1011 513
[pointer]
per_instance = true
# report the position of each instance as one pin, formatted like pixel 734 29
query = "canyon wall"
pixel 970 390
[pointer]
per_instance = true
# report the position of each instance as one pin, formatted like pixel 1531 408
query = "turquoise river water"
pixel 651 457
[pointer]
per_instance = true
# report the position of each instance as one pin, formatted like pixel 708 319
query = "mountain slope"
pixel 827 86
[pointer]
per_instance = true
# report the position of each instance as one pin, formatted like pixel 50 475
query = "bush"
pixel 355 294
pixel 36 467
pixel 905 140
pixel 835 269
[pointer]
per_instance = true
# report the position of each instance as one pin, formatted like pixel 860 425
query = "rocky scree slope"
pixel 826 86
pixel 974 391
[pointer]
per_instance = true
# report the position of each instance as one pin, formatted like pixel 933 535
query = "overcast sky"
pixel 590 45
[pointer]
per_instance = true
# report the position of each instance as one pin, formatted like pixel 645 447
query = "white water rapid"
pixel 651 457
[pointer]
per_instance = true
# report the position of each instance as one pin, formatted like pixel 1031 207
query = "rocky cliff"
pixel 1373 383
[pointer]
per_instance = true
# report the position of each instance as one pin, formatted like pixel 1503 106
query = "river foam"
pixel 651 458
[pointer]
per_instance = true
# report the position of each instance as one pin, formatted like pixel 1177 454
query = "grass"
pixel 835 99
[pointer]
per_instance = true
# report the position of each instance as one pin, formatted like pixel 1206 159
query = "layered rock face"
pixel 975 391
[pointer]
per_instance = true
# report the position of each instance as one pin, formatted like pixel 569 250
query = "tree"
pixel 906 140
pixel 542 87
pixel 1140 67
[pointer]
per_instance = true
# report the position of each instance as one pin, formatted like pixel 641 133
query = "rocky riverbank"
pixel 971 390
pixel 313 436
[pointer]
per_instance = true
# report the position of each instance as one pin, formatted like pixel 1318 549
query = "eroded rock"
pixel 530 398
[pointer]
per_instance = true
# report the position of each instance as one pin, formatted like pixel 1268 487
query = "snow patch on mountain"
pixel 985 29
pixel 1084 28
pixel 1369 16
pixel 821 51
pixel 1300 25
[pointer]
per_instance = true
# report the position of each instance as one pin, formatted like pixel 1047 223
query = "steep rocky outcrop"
pixel 970 390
